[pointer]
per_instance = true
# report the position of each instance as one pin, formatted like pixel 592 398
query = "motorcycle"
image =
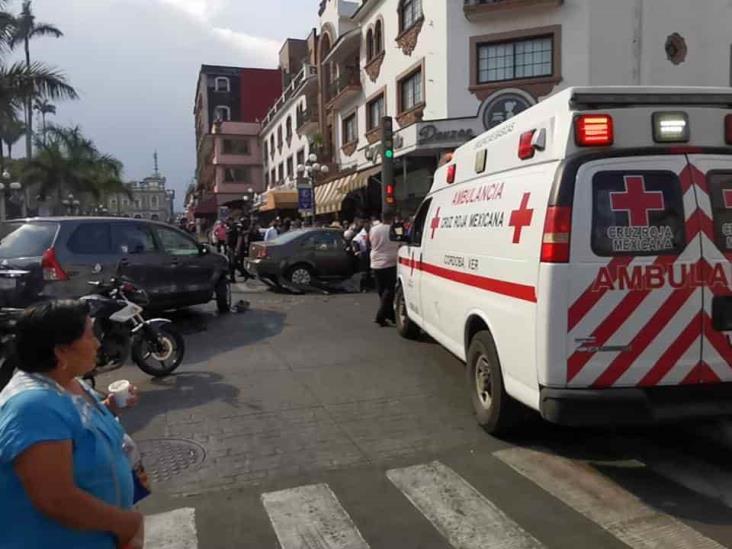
pixel 116 309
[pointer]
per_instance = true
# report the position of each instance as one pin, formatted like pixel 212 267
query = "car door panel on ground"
pixel 634 316
pixel 142 261
pixel 190 275
pixel 712 179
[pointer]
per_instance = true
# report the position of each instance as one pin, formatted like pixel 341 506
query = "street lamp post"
pixel 310 170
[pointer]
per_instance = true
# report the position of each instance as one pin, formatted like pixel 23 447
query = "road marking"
pixel 311 516
pixel 172 530
pixel 603 502
pixel 465 517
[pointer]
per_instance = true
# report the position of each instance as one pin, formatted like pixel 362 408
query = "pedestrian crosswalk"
pixel 313 516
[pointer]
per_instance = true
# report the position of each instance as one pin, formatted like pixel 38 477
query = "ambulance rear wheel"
pixel 495 411
pixel 405 326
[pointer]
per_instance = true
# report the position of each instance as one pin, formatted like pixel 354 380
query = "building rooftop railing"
pixel 308 71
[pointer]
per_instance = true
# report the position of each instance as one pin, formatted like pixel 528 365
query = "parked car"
pixel 300 256
pixel 44 258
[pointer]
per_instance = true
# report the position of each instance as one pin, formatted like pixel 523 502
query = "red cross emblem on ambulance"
pixel 636 201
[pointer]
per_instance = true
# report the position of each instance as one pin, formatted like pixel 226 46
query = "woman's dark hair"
pixel 42 327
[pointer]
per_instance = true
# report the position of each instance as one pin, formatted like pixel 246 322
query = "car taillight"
pixel 555 240
pixel 594 130
pixel 261 252
pixel 451 170
pixel 728 129
pixel 51 268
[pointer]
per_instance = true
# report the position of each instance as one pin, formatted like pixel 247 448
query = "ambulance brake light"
pixel 526 145
pixel 555 240
pixel 670 127
pixel 728 129
pixel 593 130
pixel 451 170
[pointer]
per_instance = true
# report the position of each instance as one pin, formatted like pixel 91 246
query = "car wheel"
pixel 223 295
pixel 405 326
pixel 300 275
pixel 494 409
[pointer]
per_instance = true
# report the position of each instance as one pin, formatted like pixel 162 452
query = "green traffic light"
pixel 388 153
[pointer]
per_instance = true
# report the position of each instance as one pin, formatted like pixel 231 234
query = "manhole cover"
pixel 167 457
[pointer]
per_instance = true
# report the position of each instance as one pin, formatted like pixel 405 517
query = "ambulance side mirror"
pixel 399 233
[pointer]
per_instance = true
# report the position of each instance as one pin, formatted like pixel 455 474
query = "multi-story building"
pixel 147 199
pixel 230 103
pixel 447 70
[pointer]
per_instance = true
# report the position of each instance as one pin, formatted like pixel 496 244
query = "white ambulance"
pixel 577 258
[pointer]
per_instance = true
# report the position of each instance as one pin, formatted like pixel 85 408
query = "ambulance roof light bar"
pixel 588 100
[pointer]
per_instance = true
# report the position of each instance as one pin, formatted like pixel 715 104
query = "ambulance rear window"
pixel 720 193
pixel 637 213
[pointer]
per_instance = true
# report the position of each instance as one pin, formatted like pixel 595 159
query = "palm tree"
pixel 11 130
pixel 69 162
pixel 44 107
pixel 24 29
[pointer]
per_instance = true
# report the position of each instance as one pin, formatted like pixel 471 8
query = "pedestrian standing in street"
pixel 272 232
pixel 220 233
pixel 383 263
pixel 362 248
pixel 65 479
pixel 232 240
pixel 296 225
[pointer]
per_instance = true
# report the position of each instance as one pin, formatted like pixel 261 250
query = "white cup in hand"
pixel 120 391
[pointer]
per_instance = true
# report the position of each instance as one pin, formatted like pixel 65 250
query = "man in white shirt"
pixel 271 233
pixel 384 264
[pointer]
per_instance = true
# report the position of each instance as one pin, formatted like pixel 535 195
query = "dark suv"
pixel 44 258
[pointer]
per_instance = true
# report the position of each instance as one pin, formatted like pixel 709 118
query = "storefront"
pixel 277 203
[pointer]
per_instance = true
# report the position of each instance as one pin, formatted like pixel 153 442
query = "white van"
pixel 577 258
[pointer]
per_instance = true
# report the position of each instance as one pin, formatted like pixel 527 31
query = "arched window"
pixel 272 145
pixel 369 45
pixel 288 128
pixel 279 137
pixel 378 38
pixel 222 84
pixel 223 113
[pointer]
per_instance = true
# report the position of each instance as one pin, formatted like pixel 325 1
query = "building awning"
pixel 278 200
pixel 360 181
pixel 206 208
pixel 328 197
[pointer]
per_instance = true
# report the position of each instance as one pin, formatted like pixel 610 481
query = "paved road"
pixel 300 422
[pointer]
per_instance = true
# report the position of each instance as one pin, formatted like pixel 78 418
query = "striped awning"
pixel 328 197
pixel 359 182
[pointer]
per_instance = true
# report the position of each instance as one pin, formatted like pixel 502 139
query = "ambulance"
pixel 577 259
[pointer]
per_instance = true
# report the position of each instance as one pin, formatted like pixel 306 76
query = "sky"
pixel 135 65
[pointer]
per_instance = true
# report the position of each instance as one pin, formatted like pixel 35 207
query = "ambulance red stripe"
pixel 644 338
pixel 612 323
pixel 589 298
pixel 675 351
pixel 502 287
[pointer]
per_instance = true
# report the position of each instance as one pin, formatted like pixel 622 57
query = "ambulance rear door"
pixel 635 295
pixel 712 177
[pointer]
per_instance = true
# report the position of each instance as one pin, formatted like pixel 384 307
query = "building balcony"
pixel 478 10
pixel 308 121
pixel 303 81
pixel 346 86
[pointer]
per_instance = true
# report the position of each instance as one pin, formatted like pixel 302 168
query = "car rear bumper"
pixel 635 405
pixel 261 268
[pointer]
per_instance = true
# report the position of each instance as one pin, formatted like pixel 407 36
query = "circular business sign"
pixel 503 106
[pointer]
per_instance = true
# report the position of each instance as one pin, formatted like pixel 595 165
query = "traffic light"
pixel 387 163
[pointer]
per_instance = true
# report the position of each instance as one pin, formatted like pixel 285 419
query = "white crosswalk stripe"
pixel 172 530
pixel 604 502
pixel 465 517
pixel 311 516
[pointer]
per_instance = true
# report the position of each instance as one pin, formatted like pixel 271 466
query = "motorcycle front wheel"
pixel 158 349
